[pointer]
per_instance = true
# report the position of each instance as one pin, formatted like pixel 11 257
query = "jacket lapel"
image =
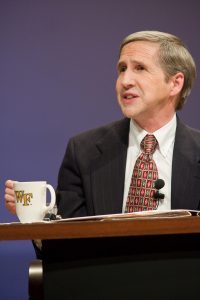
pixel 185 169
pixel 108 169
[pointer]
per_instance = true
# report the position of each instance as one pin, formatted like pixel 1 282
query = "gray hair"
pixel 173 56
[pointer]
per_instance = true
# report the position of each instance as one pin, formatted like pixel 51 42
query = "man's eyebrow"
pixel 133 61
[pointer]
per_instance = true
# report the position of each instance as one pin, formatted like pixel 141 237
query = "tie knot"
pixel 149 144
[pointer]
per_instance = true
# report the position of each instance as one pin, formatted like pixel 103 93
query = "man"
pixel 155 75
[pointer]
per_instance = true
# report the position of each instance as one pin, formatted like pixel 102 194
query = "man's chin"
pixel 128 113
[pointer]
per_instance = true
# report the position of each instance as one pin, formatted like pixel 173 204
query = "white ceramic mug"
pixel 30 200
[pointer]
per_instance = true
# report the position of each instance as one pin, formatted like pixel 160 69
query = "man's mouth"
pixel 129 94
pixel 128 97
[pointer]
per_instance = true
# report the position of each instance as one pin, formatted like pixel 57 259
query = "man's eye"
pixel 121 69
pixel 139 67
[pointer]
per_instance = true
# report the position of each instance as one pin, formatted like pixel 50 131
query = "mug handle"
pixel 53 197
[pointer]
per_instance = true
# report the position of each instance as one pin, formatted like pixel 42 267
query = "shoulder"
pixel 89 144
pixel 96 134
pixel 188 134
pixel 195 135
pixel 194 131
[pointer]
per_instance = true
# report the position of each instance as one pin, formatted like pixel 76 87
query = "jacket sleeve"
pixel 70 190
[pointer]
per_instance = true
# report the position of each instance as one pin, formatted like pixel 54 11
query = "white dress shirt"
pixel 162 157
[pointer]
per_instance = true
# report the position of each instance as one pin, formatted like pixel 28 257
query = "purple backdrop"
pixel 57 73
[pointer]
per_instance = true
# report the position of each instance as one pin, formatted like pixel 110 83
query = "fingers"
pixel 9 196
pixel 9 184
pixel 9 192
pixel 10 207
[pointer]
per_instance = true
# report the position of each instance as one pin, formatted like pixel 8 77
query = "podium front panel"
pixel 163 267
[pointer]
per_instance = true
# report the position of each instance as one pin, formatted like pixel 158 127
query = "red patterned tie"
pixel 145 173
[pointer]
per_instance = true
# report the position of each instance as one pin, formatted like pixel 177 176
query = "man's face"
pixel 142 89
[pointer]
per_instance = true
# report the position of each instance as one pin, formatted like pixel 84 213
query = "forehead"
pixel 139 50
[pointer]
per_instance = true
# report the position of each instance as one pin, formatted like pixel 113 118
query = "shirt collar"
pixel 165 136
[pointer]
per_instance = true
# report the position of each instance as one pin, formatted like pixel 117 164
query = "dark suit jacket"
pixel 91 177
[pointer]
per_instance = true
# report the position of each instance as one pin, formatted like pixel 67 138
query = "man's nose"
pixel 128 79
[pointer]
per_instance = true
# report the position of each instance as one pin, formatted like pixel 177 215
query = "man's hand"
pixel 9 196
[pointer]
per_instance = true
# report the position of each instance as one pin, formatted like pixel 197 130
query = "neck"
pixel 152 124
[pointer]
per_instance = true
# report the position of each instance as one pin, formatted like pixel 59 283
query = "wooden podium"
pixel 117 259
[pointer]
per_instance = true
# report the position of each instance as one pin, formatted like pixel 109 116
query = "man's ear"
pixel 177 82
